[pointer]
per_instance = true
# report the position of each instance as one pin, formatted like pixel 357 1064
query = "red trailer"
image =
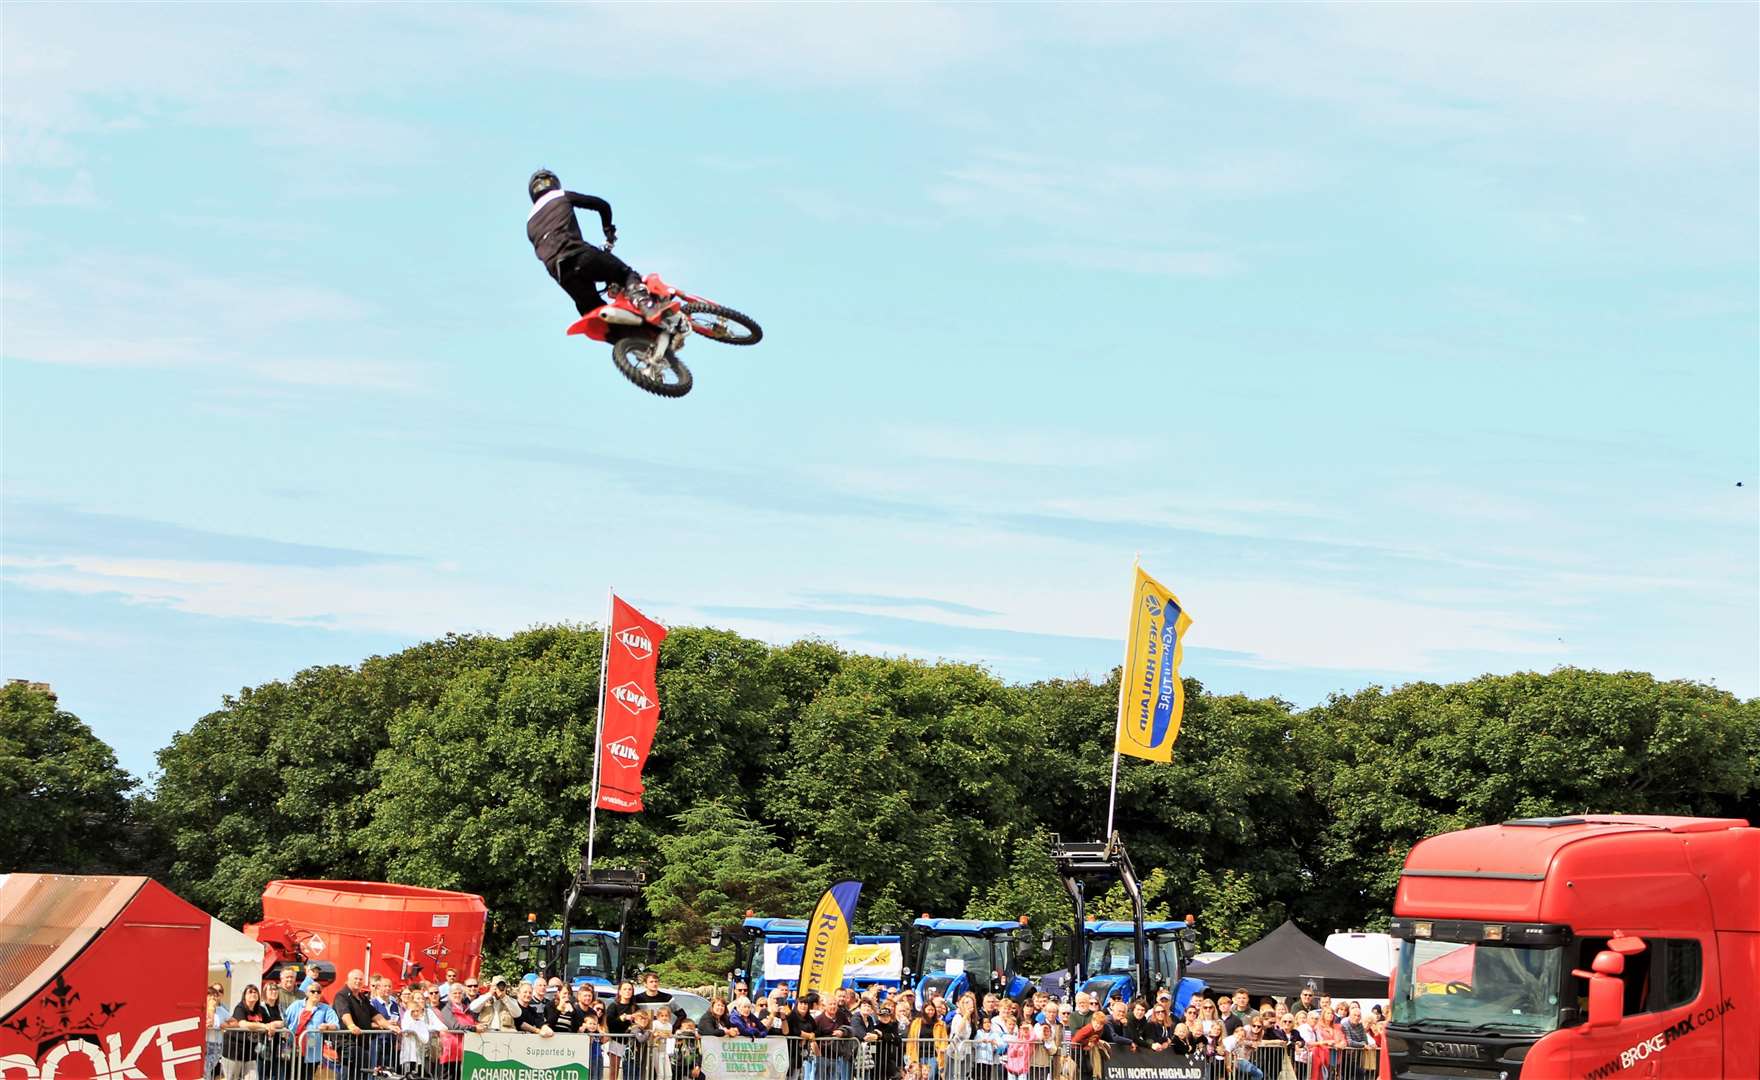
pixel 101 978
pixel 404 932
pixel 1594 947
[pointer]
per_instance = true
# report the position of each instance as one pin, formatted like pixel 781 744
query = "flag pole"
pixel 599 726
pixel 1118 716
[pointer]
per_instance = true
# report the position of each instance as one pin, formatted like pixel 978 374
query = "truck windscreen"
pixel 1462 986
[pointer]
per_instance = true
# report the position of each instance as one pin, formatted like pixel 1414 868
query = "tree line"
pixel 466 763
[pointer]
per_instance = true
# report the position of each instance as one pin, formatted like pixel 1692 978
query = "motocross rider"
pixel 576 265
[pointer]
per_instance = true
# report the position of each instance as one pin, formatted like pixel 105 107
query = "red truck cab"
pixel 1594 947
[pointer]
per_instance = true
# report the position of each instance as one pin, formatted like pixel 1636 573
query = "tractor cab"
pixel 593 955
pixel 1111 962
pixel 1120 960
pixel 956 956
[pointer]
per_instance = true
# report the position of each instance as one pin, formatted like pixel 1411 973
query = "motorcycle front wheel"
pixel 664 375
pixel 723 324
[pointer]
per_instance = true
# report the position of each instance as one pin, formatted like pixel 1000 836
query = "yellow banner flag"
pixel 828 939
pixel 1152 699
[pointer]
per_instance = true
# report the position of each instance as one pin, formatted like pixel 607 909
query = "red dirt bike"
pixel 645 339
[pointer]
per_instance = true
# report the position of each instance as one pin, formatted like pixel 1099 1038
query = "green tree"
pixel 1030 887
pixel 1394 767
pixel 1234 799
pixel 467 763
pixel 278 782
pixel 64 802
pixel 488 788
pixel 907 776
pixel 719 864
pixel 1235 912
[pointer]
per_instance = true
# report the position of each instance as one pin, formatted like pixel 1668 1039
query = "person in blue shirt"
pixel 390 1016
pixel 305 1021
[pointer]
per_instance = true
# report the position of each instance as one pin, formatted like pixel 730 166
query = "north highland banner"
pixel 828 939
pixel 630 709
pixel 1124 1063
pixel 1152 699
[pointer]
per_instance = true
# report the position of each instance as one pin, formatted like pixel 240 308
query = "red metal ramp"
pixel 96 971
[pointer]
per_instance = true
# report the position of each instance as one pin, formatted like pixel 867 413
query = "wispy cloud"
pixel 1133 260
pixel 1002 183
pixel 417 600
pixel 874 600
pixel 41 531
pixel 1640 80
pixel 154 313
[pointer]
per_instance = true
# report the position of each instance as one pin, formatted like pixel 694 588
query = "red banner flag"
pixel 630 707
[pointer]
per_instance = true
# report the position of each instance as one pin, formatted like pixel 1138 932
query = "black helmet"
pixel 543 180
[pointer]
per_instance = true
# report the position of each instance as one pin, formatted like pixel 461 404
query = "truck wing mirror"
pixel 1607 990
pixel 715 939
pixel 1627 946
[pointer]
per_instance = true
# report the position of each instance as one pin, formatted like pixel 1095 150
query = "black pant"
pixel 580 270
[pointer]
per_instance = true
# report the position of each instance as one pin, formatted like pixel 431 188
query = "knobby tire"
pixel 754 332
pixel 641 344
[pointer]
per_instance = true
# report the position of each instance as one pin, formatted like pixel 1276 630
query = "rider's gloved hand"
pixel 610 236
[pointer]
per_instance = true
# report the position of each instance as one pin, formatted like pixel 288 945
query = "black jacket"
pixel 552 228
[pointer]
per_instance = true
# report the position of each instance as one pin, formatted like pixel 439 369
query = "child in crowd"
pixel 687 1052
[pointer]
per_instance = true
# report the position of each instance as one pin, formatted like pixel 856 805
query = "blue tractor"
pixel 597 956
pixel 593 955
pixel 1111 962
pixel 957 956
pixel 767 954
pixel 1120 960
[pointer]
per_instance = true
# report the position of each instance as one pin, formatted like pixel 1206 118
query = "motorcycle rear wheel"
pixel 634 358
pixel 723 324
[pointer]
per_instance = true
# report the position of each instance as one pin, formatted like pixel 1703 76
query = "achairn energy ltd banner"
pixel 1152 698
pixel 630 708
pixel 828 939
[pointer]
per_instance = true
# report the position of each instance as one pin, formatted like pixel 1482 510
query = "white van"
pixel 1377 952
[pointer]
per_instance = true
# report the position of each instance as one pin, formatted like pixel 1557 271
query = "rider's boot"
pixel 638 294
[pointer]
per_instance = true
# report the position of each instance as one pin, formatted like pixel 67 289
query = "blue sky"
pixel 1402 341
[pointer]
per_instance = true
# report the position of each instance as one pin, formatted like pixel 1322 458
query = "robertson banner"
pixel 1152 699
pixel 828 939
pixel 630 708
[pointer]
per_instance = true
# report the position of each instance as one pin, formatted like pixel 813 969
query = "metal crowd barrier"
pixel 314 1053
pixel 395 1055
pixel 1289 1061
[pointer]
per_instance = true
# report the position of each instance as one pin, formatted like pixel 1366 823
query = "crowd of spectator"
pixel 285 1030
